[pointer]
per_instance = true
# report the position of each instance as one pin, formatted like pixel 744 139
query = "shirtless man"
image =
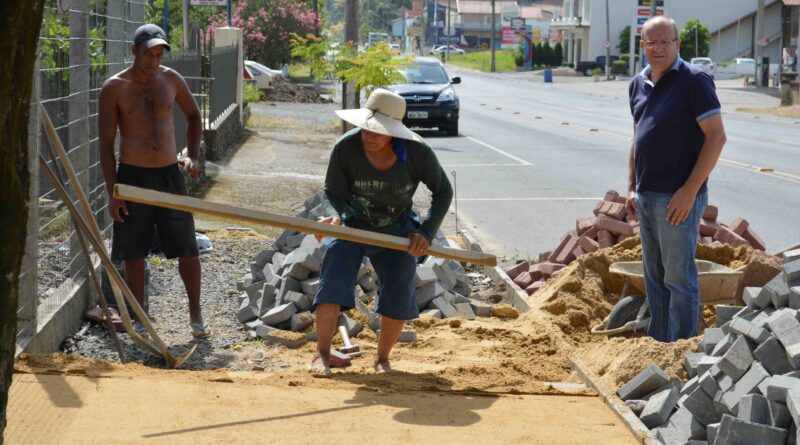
pixel 139 102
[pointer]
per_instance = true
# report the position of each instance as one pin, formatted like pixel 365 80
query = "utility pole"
pixel 491 64
pixel 185 24
pixel 653 8
pixel 608 45
pixel 350 37
pixel 759 33
pixel 447 48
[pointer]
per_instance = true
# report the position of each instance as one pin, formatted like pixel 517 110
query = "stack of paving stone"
pixel 278 292
pixel 744 385
pixel 608 227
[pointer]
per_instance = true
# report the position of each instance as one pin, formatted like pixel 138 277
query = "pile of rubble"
pixel 744 385
pixel 284 90
pixel 278 292
pixel 610 226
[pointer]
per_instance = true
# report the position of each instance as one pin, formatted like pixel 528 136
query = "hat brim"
pixel 377 123
pixel 156 42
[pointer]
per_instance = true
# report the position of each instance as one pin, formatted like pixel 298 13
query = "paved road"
pixel 531 158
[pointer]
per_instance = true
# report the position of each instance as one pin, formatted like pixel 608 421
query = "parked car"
pixel 587 66
pixel 443 50
pixel 431 100
pixel 275 73
pixel 394 48
pixel 705 64
pixel 745 66
pixel 263 78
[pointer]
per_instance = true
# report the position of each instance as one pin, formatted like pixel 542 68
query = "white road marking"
pixel 531 199
pixel 495 149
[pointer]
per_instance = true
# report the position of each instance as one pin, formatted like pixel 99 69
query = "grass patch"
pixel 481 60
pixel 792 111
pixel 300 73
pixel 56 228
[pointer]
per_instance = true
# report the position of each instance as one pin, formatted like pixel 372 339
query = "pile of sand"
pixel 284 90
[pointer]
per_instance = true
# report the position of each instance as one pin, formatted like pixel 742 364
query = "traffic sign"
pixel 606 44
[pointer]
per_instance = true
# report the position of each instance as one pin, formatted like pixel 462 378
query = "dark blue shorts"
pixel 396 274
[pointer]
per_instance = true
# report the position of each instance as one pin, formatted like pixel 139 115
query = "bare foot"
pixel 318 368
pixel 382 366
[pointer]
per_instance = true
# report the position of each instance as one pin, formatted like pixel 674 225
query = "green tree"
pixel 625 42
pixel 374 68
pixel 695 39
pixel 558 54
pixel 538 54
pixel 378 15
pixel 548 56
pixel 19 33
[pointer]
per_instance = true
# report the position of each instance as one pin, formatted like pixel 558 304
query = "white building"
pixel 732 24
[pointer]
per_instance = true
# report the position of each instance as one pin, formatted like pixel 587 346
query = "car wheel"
pixel 587 72
pixel 624 311
pixel 452 129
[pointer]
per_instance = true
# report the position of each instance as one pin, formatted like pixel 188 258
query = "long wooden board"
pixel 195 205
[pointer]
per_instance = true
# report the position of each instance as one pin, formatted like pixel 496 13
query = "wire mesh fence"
pixel 81 44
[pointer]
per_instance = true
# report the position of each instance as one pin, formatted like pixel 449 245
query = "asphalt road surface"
pixel 531 158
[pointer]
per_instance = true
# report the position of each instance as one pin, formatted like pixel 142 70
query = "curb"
pixel 517 295
pixel 635 426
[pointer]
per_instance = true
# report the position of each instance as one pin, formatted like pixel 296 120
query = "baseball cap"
pixel 150 35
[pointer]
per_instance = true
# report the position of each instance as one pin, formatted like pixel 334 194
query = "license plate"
pixel 417 114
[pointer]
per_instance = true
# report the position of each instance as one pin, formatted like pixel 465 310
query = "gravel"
pixel 228 347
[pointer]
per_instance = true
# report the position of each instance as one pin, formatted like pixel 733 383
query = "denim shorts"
pixel 396 273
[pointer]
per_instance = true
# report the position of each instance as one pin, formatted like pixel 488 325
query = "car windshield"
pixel 424 73
pixel 259 66
pixel 701 61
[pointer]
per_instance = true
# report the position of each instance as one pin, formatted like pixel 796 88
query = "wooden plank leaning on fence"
pixel 90 231
pixel 195 205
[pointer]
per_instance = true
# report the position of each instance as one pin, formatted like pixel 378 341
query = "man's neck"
pixel 656 75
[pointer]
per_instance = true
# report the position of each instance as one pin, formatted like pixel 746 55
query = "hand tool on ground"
pixel 195 205
pixel 91 232
pixel 339 360
pixel 348 348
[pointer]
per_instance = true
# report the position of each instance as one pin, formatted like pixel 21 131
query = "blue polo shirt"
pixel 666 115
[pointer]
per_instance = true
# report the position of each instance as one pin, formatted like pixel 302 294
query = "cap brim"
pixel 377 123
pixel 156 42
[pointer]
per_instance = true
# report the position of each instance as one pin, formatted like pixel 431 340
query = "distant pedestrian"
pixel 678 138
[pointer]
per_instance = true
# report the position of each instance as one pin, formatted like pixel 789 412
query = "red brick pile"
pixel 609 226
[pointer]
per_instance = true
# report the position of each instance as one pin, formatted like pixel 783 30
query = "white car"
pixel 705 64
pixel 443 49
pixel 745 66
pixel 263 68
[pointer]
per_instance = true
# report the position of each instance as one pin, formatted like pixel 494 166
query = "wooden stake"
pixel 189 204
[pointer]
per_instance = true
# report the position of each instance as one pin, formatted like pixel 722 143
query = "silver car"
pixel 705 64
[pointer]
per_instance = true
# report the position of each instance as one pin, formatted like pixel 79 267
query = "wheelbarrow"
pixel 717 285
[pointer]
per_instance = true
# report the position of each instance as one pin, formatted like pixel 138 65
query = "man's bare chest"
pixel 147 101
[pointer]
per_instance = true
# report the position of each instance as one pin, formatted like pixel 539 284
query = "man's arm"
pixel 194 123
pixel 683 199
pixel 107 132
pixel 630 200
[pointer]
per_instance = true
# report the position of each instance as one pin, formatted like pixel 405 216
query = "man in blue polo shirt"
pixel 678 137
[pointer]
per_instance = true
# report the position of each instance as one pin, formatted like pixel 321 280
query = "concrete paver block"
pixel 301 321
pixel 373 319
pixel 747 384
pixel 702 407
pixel 708 383
pixel 351 326
pixel 444 272
pixel 725 313
pixel 481 309
pixel 425 274
pixel 741 432
pixel 279 314
pixel 428 292
pixel 432 313
pixel 754 408
pixel 779 415
pixel 310 286
pixel 711 337
pixel 444 307
pixel 648 380
pixel 772 356
pixel 659 407
pixel 300 300
pixel 777 387
pixel 722 347
pixel 691 361
pixel 465 311
pixel 246 312
pixel 786 328
pixel 791 270
pixel 706 363
pixel 737 359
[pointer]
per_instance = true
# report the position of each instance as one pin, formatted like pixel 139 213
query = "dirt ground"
pixel 487 380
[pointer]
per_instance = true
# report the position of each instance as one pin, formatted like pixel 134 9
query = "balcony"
pixel 568 23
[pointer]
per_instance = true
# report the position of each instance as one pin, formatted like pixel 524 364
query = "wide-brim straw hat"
pixel 383 114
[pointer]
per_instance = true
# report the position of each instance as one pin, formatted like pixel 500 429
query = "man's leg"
pixel 679 249
pixel 390 332
pixel 327 315
pixel 658 296
pixel 134 278
pixel 189 268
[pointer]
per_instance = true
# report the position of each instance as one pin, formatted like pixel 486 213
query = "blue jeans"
pixel 670 273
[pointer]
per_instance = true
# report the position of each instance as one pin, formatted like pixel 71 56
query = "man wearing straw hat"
pixel 372 175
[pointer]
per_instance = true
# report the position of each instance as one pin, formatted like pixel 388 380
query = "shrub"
pixel 619 67
pixel 597 72
pixel 250 93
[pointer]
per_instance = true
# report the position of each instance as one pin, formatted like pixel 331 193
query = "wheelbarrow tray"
pixel 717 283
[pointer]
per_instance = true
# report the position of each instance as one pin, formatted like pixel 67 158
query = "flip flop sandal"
pixel 200 330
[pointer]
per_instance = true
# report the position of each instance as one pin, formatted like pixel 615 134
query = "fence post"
pixel 28 303
pixel 233 36
pixel 135 17
pixel 115 32
pixel 78 145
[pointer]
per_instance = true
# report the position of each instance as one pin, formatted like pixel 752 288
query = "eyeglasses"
pixel 650 44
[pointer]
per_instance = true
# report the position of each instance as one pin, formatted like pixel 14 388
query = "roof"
pixel 791 2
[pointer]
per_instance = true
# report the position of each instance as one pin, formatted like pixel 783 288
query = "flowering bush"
pixel 267 27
